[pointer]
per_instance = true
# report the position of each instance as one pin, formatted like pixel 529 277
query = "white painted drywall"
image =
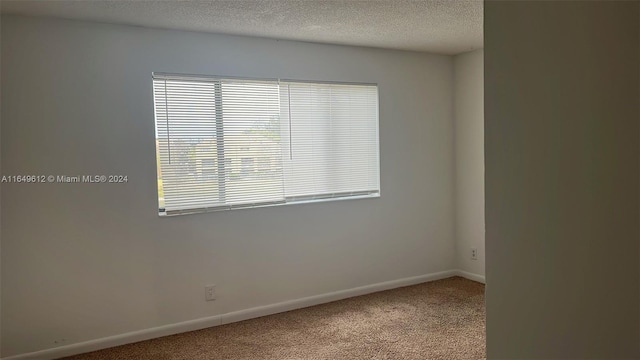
pixel 85 261
pixel 0 193
pixel 468 99
pixel 561 165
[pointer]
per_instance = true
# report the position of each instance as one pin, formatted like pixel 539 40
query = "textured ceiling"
pixel 438 26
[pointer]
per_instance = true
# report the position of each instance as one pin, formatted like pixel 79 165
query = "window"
pixel 227 143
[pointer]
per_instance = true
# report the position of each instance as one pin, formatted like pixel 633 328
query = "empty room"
pixel 287 179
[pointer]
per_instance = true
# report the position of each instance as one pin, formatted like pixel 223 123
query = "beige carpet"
pixel 444 319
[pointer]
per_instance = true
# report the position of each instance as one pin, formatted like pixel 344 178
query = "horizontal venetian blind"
pixel 331 140
pixel 218 143
pixel 231 143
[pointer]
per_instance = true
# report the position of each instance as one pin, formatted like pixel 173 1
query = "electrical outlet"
pixel 474 254
pixel 210 292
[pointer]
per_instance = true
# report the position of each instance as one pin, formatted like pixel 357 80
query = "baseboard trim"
pixel 471 276
pixel 120 339
pixel 197 324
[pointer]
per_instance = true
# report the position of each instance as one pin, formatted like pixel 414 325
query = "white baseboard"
pixel 471 276
pixel 171 329
pixel 332 296
pixel 120 339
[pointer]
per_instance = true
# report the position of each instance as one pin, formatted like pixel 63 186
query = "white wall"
pixel 0 195
pixel 468 97
pixel 85 261
pixel 562 174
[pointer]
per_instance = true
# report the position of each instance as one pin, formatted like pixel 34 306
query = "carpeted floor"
pixel 444 319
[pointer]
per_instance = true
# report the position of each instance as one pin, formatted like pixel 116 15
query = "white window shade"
pixel 331 139
pixel 234 143
pixel 218 143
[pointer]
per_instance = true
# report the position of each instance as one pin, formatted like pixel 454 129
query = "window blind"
pixel 225 143
pixel 331 139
